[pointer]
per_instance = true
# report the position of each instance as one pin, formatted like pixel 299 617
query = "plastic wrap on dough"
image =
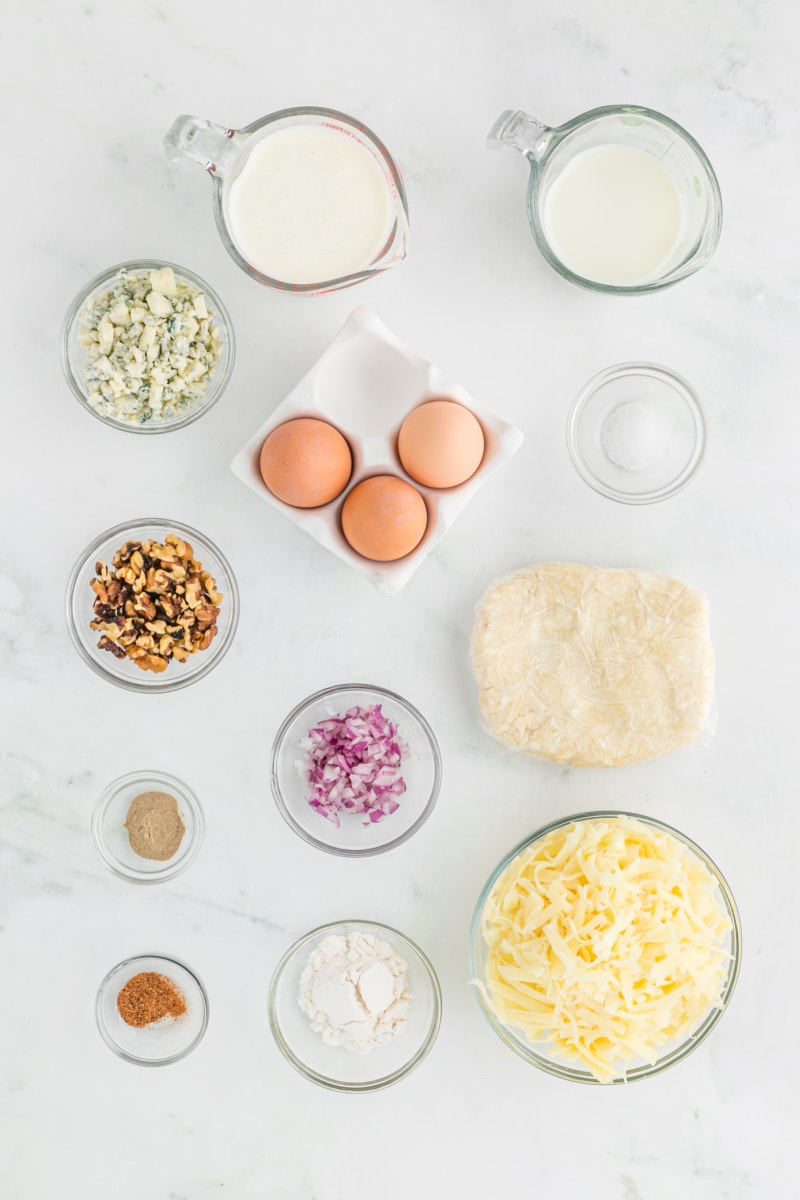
pixel 593 666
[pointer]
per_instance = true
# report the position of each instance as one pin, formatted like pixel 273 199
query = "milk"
pixel 614 215
pixel 310 204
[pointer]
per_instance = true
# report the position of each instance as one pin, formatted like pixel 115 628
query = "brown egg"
pixel 384 518
pixel 306 462
pixel 441 443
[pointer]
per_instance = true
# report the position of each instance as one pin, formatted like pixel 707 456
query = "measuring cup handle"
pixel 522 132
pixel 210 145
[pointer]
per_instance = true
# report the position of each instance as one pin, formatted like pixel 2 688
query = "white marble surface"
pixel 89 89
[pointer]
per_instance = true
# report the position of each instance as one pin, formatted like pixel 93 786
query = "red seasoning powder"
pixel 149 997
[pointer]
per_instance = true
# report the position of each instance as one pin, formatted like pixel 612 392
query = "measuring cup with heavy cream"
pixel 620 199
pixel 306 200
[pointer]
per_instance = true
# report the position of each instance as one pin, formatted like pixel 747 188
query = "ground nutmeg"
pixel 149 997
pixel 154 825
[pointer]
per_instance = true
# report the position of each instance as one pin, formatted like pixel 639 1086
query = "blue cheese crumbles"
pixel 152 346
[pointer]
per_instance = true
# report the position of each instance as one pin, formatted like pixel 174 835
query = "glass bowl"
pixel 80 611
pixel 165 1041
pixel 422 772
pixel 111 838
pixel 636 433
pixel 74 358
pixel 537 1052
pixel 336 1067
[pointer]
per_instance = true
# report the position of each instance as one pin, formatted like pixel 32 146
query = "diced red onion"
pixel 352 765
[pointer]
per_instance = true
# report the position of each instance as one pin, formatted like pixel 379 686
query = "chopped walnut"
pixel 155 603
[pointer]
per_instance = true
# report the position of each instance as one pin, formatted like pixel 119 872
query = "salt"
pixel 634 435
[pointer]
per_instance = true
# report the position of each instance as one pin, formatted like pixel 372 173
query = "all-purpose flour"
pixel 355 992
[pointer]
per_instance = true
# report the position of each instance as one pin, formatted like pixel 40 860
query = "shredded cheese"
pixel 608 941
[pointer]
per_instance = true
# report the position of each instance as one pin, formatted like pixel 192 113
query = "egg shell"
pixel 384 518
pixel 365 383
pixel 441 443
pixel 306 462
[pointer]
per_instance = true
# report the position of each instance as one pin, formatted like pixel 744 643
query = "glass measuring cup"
pixel 224 153
pixel 550 151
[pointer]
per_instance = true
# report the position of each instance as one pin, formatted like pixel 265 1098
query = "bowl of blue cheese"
pixel 147 346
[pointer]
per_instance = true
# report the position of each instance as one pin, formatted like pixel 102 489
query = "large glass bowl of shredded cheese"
pixel 147 346
pixel 605 947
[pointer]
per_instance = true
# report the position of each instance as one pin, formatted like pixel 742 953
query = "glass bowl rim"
pixel 278 745
pixel 328 1081
pixel 125 1054
pixel 690 399
pixel 218 384
pixel 221 644
pixel 563 1070
pixel 169 870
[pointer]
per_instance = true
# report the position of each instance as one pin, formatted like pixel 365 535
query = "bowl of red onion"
pixel 356 770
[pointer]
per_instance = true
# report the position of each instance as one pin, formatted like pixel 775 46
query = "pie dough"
pixel 593 666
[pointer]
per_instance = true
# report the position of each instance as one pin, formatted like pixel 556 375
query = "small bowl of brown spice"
pixel 151 1010
pixel 147 826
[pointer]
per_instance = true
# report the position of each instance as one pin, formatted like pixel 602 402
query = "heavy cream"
pixel 309 205
pixel 614 215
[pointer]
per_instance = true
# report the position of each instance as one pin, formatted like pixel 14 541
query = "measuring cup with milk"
pixel 307 200
pixel 620 199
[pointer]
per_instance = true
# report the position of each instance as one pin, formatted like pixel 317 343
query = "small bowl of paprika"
pixel 151 1010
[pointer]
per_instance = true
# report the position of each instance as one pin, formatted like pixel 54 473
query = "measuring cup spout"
pixel 210 145
pixel 522 132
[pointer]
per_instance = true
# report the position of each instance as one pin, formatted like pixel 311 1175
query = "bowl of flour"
pixel 355 1006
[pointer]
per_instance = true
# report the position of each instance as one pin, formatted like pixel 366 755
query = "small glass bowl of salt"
pixel 636 433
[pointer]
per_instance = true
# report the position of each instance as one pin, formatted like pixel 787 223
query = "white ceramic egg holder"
pixel 365 383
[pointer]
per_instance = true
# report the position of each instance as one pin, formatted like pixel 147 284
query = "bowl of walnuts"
pixel 152 605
